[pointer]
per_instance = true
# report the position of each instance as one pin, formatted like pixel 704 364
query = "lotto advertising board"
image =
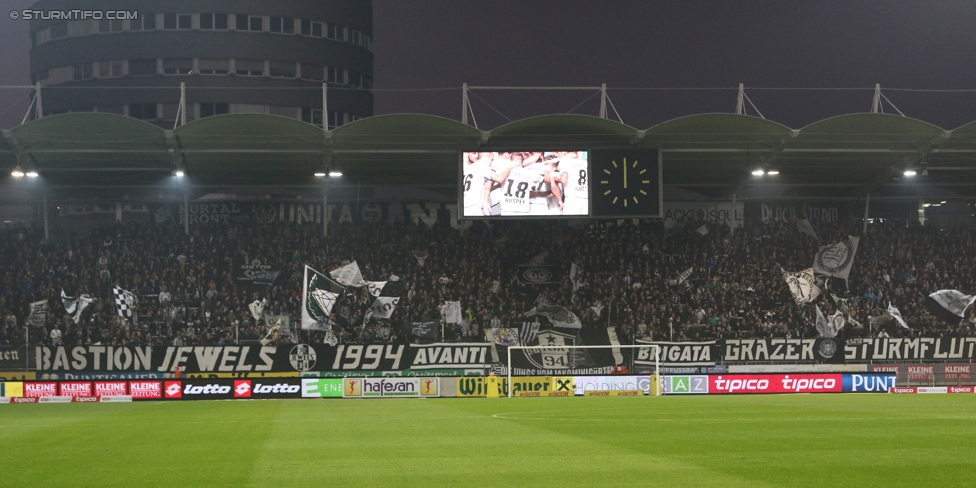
pixel 227 389
pixel 525 184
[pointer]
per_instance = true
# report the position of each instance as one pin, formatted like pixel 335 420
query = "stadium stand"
pixel 187 294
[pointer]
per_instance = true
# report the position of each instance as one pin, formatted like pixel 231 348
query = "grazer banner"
pixel 679 353
pixel 783 350
pixel 911 349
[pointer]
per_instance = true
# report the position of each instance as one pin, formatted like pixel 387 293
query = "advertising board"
pixel 685 385
pixel 775 383
pixel 321 387
pixel 37 389
pixel 11 389
pixel 75 388
pixel 146 390
pixel 583 384
pixel 110 388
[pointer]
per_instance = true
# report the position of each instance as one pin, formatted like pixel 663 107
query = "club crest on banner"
pixel 554 356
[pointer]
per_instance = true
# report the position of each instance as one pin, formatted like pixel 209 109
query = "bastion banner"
pixel 128 362
pixel 260 359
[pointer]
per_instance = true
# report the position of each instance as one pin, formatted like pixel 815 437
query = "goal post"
pixel 655 377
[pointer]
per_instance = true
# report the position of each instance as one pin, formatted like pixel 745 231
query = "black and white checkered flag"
pixel 125 301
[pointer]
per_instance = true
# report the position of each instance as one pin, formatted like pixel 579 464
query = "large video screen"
pixel 525 184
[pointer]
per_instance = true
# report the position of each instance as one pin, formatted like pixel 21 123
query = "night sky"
pixel 641 44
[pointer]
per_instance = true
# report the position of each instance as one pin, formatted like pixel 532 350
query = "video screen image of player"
pixel 525 184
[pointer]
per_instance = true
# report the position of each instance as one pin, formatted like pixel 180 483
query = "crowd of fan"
pixel 188 295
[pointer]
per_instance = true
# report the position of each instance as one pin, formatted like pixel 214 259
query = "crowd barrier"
pixel 453 387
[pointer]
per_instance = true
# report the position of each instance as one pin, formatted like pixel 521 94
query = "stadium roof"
pixel 711 154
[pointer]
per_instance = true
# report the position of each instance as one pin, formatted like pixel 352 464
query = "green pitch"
pixel 775 440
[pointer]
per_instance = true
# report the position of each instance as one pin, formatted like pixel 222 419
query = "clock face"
pixel 626 183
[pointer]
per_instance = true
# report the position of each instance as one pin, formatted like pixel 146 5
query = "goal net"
pixel 562 360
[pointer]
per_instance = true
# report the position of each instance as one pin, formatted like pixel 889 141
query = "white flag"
pixel 319 294
pixel 38 313
pixel 125 302
pixel 75 305
pixel 803 225
pixel 836 259
pixel 954 301
pixel 503 336
pixel 802 285
pixel 348 275
pixel 559 316
pixel 703 230
pixel 421 257
pixel 821 324
pixel 375 287
pixel 895 314
pixel 257 308
pixel 835 323
pixel 451 312
pixel 685 275
pixel 576 276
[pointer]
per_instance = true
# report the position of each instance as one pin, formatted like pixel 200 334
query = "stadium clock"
pixel 626 183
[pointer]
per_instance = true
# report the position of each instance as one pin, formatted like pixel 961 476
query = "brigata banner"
pixel 783 350
pixel 912 349
pixel 679 353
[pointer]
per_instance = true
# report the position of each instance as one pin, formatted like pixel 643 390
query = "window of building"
pixel 336 75
pixel 83 71
pixel 177 66
pixel 169 21
pixel 291 112
pixel 42 35
pixel 111 69
pixel 184 21
pixel 143 111
pixel 281 69
pixel 333 32
pixel 59 31
pixel 314 72
pixel 214 66
pixel 111 109
pixel 357 38
pixel 145 21
pixel 284 25
pixel 55 76
pixel 317 29
pixel 142 67
pixel 105 26
pixel 83 27
pixel 207 21
pixel 256 23
pixel 306 27
pixel 248 67
pixel 209 109
pixel 312 116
